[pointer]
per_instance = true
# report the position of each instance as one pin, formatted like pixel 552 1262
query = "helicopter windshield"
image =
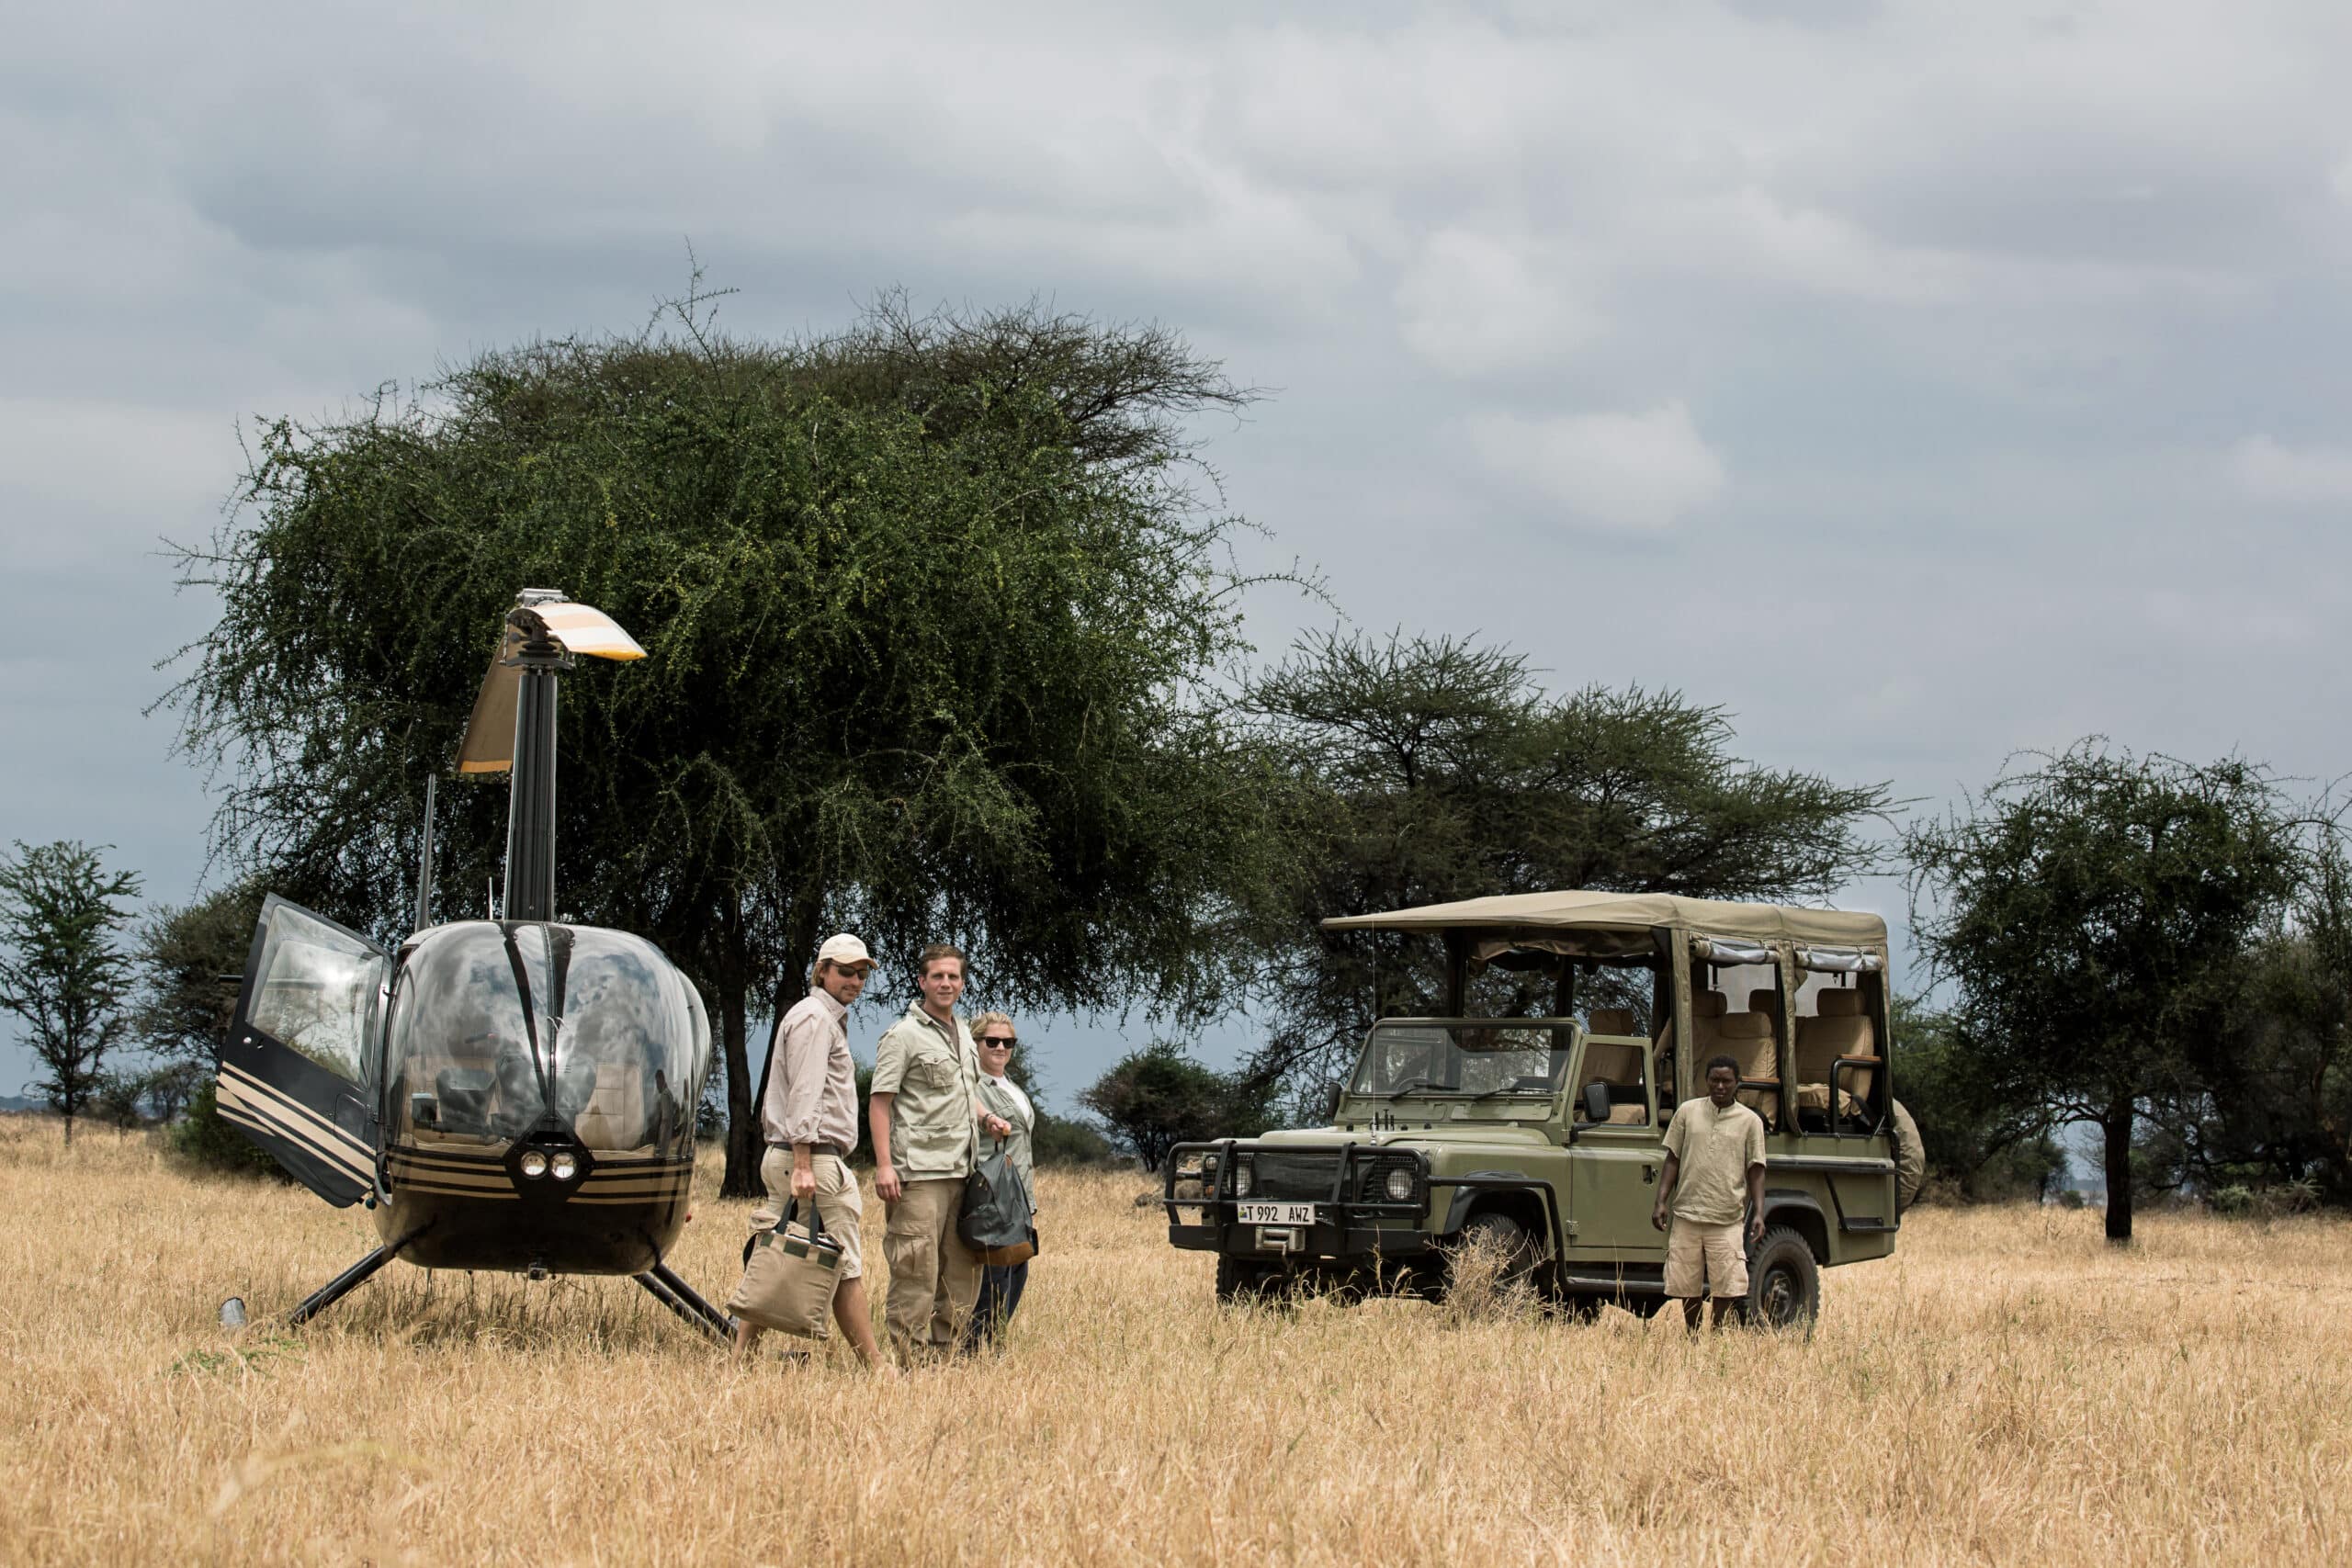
pixel 499 1029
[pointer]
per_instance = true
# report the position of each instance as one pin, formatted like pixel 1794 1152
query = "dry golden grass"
pixel 2005 1389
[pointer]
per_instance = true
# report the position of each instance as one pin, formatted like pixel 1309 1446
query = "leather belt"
pixel 834 1149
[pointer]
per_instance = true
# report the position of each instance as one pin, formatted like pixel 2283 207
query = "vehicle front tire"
pixel 1240 1282
pixel 1783 1282
pixel 1507 1237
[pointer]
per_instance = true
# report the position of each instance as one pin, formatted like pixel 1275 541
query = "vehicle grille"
pixel 1293 1176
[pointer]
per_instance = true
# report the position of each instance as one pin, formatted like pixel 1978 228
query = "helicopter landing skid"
pixel 660 1281
pixel 664 1286
pixel 342 1285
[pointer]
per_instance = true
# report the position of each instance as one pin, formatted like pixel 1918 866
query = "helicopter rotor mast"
pixel 514 728
pixel 530 812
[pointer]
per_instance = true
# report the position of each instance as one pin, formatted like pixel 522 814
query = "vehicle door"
pixel 1613 1165
pixel 296 1067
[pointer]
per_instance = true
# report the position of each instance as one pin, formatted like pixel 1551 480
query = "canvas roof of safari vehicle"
pixel 1626 912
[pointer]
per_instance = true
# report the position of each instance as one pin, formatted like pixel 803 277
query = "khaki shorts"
pixel 838 1203
pixel 1703 1259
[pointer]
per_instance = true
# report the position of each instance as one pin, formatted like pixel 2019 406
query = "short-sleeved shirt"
pixel 931 1071
pixel 1714 1149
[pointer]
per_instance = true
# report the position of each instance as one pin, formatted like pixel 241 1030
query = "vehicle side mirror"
pixel 1331 1103
pixel 1596 1101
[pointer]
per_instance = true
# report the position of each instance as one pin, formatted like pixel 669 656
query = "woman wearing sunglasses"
pixel 1001 1286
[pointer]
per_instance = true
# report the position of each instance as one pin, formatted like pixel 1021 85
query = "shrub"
pixel 204 1139
pixel 1061 1142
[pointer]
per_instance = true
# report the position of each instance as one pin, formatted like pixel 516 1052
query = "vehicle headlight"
pixel 533 1164
pixel 566 1165
pixel 1241 1182
pixel 1400 1185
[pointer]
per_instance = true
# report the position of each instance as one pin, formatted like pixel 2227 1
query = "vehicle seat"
pixel 1840 1029
pixel 1707 1011
pixel 1619 1066
pixel 1747 1037
pixel 612 1116
pixel 1613 1020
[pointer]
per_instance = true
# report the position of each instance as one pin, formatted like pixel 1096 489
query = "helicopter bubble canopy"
pixel 501 1030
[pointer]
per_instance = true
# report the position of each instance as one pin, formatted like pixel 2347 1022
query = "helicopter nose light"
pixel 534 1164
pixel 565 1166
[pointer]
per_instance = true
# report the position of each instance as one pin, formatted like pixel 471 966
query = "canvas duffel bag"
pixel 788 1281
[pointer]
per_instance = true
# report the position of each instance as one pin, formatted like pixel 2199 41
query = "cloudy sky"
pixel 1920 381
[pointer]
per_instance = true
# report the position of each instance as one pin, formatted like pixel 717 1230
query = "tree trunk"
pixel 744 1142
pixel 2116 1126
pixel 800 968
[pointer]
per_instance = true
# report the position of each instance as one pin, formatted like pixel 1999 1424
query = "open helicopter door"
pixel 295 1069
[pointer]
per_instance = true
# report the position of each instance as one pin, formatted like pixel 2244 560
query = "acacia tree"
pixel 1154 1099
pixel 928 607
pixel 2094 916
pixel 2278 1107
pixel 62 971
pixel 190 960
pixel 1430 769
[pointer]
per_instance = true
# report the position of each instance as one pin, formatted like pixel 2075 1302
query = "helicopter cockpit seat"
pixel 610 1117
pixel 461 1101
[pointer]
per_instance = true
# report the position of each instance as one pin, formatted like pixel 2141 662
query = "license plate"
pixel 1275 1213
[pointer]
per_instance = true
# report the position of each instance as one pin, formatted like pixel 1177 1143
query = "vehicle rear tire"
pixel 1783 1282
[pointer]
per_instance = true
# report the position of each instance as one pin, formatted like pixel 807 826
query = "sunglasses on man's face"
pixel 1001 1042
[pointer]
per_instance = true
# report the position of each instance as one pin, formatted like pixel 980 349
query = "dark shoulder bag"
pixel 996 1215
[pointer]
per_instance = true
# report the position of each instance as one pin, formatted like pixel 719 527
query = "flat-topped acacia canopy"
pixel 1576 910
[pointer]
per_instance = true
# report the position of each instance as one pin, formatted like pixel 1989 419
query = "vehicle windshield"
pixel 1480 1056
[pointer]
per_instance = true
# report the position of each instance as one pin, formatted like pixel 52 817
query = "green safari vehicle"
pixel 1545 1137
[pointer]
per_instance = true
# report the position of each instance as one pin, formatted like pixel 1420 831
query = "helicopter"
pixel 512 1094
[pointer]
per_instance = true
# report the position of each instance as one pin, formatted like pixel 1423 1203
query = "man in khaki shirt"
pixel 810 1115
pixel 924 1102
pixel 1714 1175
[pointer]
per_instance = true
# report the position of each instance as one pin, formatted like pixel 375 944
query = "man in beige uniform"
pixel 1713 1175
pixel 923 1104
pixel 810 1115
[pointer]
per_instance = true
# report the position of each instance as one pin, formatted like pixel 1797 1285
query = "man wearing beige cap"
pixel 809 1114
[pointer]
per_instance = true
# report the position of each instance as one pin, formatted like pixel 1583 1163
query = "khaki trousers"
pixel 838 1203
pixel 934 1279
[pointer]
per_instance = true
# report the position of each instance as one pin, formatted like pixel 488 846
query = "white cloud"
pixel 2268 470
pixel 1632 472
pixel 1470 304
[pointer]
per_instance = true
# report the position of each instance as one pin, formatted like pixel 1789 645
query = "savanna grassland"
pixel 2005 1389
